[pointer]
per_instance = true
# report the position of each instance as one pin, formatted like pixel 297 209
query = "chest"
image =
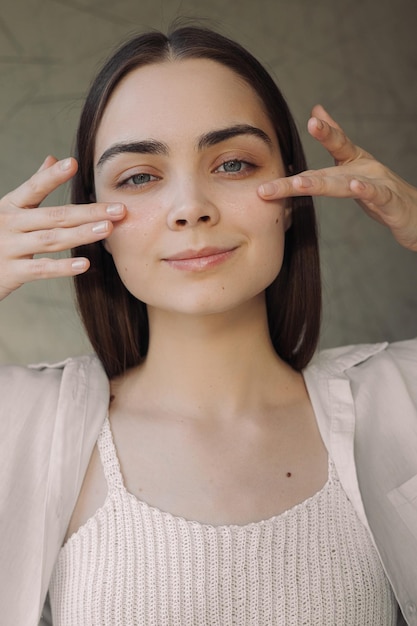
pixel 217 475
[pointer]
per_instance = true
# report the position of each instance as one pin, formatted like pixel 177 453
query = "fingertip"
pixel 318 110
pixel 315 123
pixel 116 209
pixel 267 190
pixel 66 164
pixel 48 162
pixel 357 185
pixel 79 266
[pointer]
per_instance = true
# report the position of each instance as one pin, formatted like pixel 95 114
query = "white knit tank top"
pixel 132 564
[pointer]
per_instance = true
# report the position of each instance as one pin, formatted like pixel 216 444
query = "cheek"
pixel 263 219
pixel 134 231
pixel 129 245
pixel 242 201
pixel 265 230
pixel 271 233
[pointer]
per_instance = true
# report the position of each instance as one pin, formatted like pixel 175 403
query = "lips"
pixel 196 254
pixel 195 260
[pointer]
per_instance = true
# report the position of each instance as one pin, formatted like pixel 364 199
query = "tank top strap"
pixel 108 456
pixel 332 471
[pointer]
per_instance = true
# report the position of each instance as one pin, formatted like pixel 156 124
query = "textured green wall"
pixel 357 58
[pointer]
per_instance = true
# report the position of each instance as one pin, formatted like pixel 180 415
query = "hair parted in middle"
pixel 116 322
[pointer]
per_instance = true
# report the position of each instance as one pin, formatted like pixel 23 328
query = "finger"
pixel 28 270
pixel 24 271
pixel 303 185
pixel 332 137
pixel 321 113
pixel 66 216
pixel 34 191
pixel 316 183
pixel 380 202
pixel 373 195
pixel 50 160
pixel 389 208
pixel 55 239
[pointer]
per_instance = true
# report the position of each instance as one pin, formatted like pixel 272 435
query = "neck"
pixel 213 364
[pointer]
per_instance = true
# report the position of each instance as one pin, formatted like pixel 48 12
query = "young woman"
pixel 220 477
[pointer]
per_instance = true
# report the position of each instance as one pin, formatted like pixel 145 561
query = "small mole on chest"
pixel 288 474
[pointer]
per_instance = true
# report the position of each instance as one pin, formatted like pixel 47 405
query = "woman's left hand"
pixel 382 194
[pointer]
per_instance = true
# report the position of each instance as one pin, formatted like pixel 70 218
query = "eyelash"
pixel 245 171
pixel 128 182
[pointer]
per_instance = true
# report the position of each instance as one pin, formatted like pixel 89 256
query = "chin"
pixel 209 306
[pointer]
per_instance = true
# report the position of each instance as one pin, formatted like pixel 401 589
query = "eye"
pixel 137 180
pixel 235 166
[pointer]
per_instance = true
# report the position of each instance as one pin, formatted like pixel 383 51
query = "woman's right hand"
pixel 27 230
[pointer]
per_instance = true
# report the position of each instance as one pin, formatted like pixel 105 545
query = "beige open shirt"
pixel 365 400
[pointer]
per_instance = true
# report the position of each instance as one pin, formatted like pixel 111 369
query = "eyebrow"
pixel 152 146
pixel 217 136
pixel 149 146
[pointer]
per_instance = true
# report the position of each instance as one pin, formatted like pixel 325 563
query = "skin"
pixel 381 193
pixel 191 202
pixel 211 424
pixel 233 419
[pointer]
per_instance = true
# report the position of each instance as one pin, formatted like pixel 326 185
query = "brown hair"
pixel 116 322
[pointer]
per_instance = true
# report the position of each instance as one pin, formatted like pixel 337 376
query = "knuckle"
pixel 33 184
pixel 321 184
pixel 379 170
pixel 41 268
pixel 8 220
pixel 48 238
pixel 374 170
pixel 95 210
pixel 340 138
pixel 59 214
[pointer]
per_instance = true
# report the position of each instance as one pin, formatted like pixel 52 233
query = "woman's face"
pixel 185 145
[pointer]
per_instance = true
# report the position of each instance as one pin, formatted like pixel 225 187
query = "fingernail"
pixel 319 124
pixel 101 227
pixel 65 164
pixel 79 264
pixel 357 184
pixel 268 189
pixel 115 209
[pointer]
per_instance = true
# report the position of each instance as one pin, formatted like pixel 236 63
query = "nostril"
pixel 181 222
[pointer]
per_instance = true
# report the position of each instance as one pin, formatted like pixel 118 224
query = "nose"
pixel 191 207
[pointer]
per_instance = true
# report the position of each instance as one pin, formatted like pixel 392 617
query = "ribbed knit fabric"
pixel 132 564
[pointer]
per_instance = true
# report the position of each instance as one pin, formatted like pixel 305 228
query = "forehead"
pixel 177 100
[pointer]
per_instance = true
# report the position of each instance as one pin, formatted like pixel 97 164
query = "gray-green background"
pixel 358 58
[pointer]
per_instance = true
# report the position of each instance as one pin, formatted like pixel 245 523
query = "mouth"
pixel 197 260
